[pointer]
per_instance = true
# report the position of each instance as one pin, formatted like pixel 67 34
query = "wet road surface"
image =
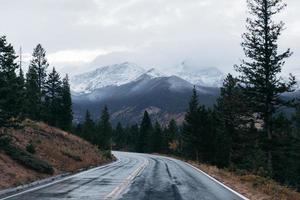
pixel 134 177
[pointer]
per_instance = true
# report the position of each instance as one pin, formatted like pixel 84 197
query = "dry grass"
pixel 252 186
pixel 64 151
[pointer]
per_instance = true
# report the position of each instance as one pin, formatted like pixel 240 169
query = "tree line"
pixel 38 95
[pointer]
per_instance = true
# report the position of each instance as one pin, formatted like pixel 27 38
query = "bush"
pixel 30 148
pixel 4 141
pixel 107 154
pixel 72 155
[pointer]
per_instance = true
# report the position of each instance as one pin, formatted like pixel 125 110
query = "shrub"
pixel 107 154
pixel 30 148
pixel 72 155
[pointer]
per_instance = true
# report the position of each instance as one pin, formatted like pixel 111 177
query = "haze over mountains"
pixel 128 90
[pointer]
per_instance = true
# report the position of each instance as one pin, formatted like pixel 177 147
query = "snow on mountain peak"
pixel 112 75
pixel 120 74
pixel 154 73
pixel 211 77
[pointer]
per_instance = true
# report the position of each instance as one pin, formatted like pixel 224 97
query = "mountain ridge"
pixel 123 73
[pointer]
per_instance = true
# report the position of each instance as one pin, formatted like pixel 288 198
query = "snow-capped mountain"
pixel 120 74
pixel 113 75
pixel 165 98
pixel 210 77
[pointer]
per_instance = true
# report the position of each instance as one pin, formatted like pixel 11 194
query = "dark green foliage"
pixel 32 100
pixel 171 138
pixel 88 128
pixel 231 119
pixel 198 131
pixel 40 65
pixel 104 135
pixel 146 128
pixel 53 99
pixel 119 137
pixel 10 88
pixel 30 148
pixel 191 130
pixel 156 140
pixel 66 114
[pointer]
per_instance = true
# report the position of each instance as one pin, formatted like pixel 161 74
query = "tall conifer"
pixel 260 72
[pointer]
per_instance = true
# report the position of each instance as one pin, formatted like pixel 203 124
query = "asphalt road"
pixel 134 177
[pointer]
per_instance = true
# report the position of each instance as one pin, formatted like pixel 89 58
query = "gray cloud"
pixel 158 33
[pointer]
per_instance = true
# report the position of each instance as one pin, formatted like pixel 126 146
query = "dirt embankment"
pixel 37 151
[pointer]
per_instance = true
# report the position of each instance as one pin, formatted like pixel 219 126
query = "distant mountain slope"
pixel 164 97
pixel 120 74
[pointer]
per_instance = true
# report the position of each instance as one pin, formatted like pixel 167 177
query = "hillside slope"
pixel 63 152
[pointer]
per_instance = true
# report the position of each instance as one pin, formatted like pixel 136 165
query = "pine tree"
pixel 145 133
pixel 32 95
pixel 133 138
pixel 191 130
pixel 66 114
pixel 119 137
pixel 53 99
pixel 9 86
pixel 156 139
pixel 22 92
pixel 105 131
pixel 231 115
pixel 39 64
pixel 260 72
pixel 89 129
pixel 172 139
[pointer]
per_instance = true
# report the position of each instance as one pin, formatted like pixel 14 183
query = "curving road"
pixel 134 177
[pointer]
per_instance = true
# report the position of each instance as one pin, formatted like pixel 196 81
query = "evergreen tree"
pixel 22 93
pixel 119 137
pixel 172 139
pixel 133 138
pixel 53 99
pixel 231 117
pixel 105 131
pixel 191 130
pixel 157 139
pixel 89 129
pixel 10 91
pixel 40 64
pixel 260 72
pixel 145 133
pixel 66 115
pixel 32 94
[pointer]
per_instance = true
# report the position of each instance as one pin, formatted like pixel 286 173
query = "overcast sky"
pixel 80 35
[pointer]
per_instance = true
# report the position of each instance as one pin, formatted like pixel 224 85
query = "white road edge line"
pixel 54 182
pixel 215 180
pixel 118 191
pixel 210 177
